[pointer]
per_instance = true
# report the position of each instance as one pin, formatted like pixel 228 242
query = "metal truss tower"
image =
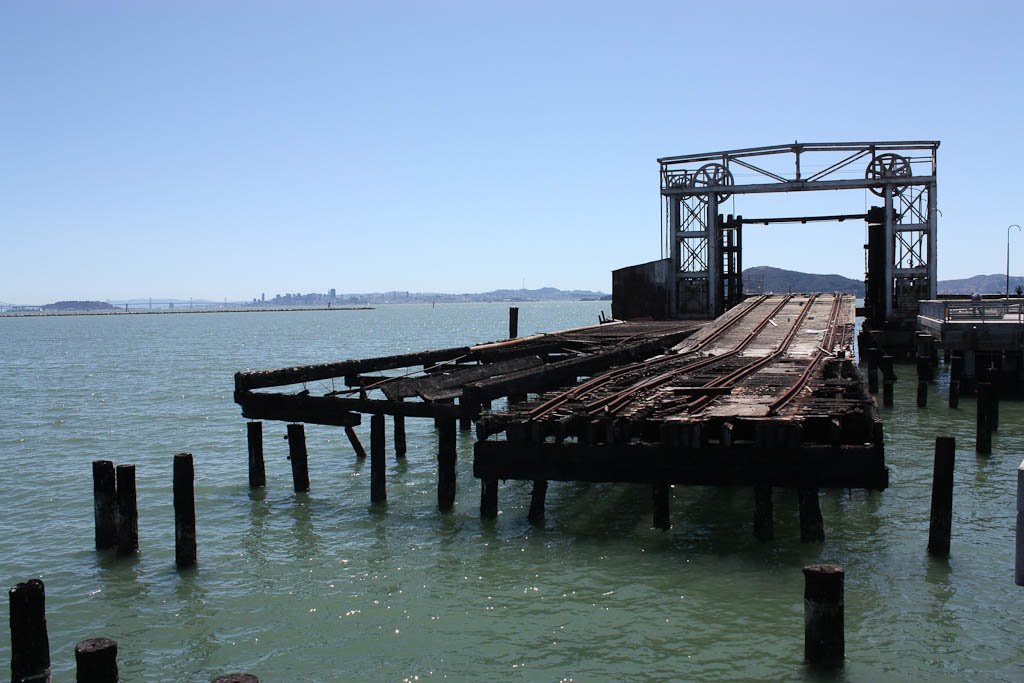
pixel 705 249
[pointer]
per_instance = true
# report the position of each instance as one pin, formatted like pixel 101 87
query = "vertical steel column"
pixel 673 277
pixel 714 257
pixel 933 248
pixel 890 249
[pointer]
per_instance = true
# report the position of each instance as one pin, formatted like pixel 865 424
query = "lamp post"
pixel 1008 257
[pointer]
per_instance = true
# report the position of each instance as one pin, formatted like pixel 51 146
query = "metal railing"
pixel 1004 310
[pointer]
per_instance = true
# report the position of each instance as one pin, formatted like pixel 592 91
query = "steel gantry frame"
pixel 705 248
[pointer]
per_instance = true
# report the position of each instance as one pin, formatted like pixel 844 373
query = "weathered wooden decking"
pixel 456 382
pixel 767 394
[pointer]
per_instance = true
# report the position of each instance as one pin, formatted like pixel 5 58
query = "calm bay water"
pixel 324 587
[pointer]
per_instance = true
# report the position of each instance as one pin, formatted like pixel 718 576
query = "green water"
pixel 324 587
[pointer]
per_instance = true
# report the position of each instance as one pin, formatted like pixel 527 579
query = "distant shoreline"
pixel 165 311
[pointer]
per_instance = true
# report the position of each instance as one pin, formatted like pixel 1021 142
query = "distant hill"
pixel 982 284
pixel 77 306
pixel 768 279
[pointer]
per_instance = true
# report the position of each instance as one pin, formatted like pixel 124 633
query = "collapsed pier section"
pixel 766 396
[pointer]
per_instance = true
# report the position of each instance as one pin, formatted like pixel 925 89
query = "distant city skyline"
pixel 200 149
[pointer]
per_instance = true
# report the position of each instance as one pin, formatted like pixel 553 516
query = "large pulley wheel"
pixel 713 175
pixel 888 166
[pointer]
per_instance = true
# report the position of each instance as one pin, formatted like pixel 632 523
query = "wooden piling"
pixel 956 366
pixel 378 486
pixel 660 492
pixel 257 468
pixel 824 638
pixel 513 322
pixel 184 512
pixel 446 458
pixel 993 403
pixel 299 457
pixel 357 446
pixel 127 511
pixel 400 448
pixel 942 496
pixel 104 503
pixel 30 644
pixel 983 425
pixel 922 393
pixel 888 379
pixel 872 355
pixel 489 498
pixel 1018 574
pixel 96 661
pixel 236 678
pixel 954 393
pixel 537 496
pixel 812 527
pixel 764 513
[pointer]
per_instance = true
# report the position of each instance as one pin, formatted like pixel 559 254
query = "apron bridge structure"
pixel 765 396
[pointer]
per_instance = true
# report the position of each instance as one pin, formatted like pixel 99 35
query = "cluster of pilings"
pixel 95 658
pixel 116 510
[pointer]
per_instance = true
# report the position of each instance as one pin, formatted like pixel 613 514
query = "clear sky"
pixel 224 149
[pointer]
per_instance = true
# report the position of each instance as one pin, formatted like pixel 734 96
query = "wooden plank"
pixel 333 410
pixel 449 385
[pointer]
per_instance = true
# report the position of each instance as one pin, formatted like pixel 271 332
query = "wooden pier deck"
pixel 767 395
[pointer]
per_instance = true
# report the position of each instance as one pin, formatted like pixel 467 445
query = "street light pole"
pixel 1008 257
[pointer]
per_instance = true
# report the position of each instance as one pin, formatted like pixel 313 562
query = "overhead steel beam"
pixel 800 186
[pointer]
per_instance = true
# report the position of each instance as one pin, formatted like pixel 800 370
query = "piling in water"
pixel 257 469
pixel 96 661
pixel 983 424
pixel 513 322
pixel 400 447
pixel 660 492
pixel 1018 575
pixel 764 514
pixel 489 498
pixel 446 458
pixel 922 393
pixel 812 528
pixel 942 497
pixel 537 496
pixel 954 393
pixel 236 678
pixel 888 379
pixel 299 457
pixel 824 640
pixel 30 644
pixel 127 511
pixel 872 355
pixel 378 485
pixel 104 503
pixel 184 511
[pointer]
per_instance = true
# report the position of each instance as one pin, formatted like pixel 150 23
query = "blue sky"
pixel 224 149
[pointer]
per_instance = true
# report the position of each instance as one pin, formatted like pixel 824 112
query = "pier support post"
pixel 257 468
pixel 127 511
pixel 104 503
pixel 661 492
pixel 922 393
pixel 400 448
pixel 236 678
pixel 824 638
pixel 954 393
pixel 465 420
pixel 184 512
pixel 993 402
pixel 489 498
pixel 357 445
pixel 812 528
pixel 378 485
pixel 1018 574
pixel 872 355
pixel 30 644
pixel 513 322
pixel 983 424
pixel 537 496
pixel 299 457
pixel 764 513
pixel 940 526
pixel 888 379
pixel 96 661
pixel 446 457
